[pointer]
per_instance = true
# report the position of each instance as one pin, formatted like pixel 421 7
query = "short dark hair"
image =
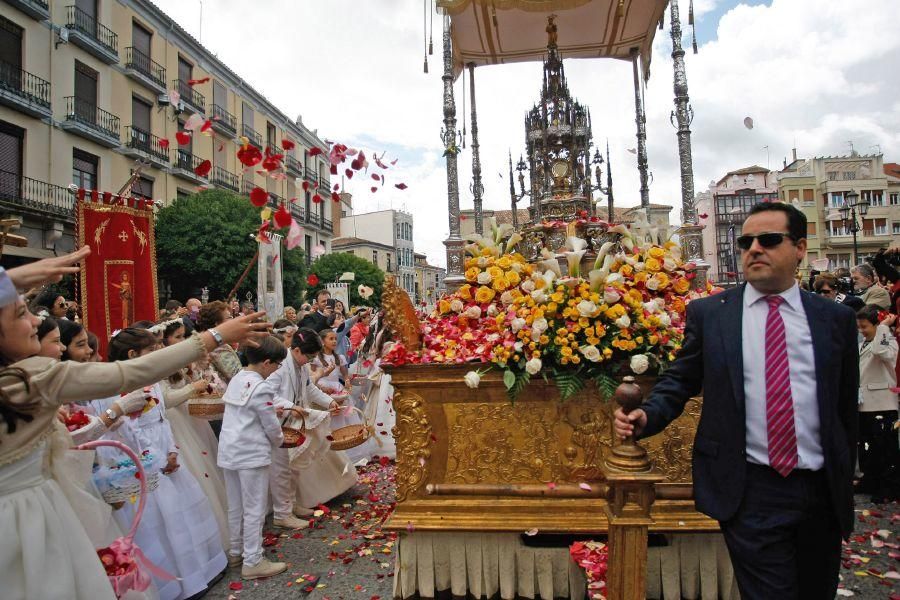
pixel 796 220
pixel 268 349
pixel 868 313
pixel 307 341
pixel 47 325
pixel 210 315
pixel 68 330
pixel 47 298
pixel 142 324
pixel 825 279
pixel 130 338
pixel 172 305
pixel 321 293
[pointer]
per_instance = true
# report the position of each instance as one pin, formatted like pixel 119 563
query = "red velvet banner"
pixel 118 279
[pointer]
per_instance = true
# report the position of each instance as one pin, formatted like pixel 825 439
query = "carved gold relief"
pixel 413 434
pixel 591 440
pixel 670 451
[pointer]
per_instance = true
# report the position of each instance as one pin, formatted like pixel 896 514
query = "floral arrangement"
pixel 625 316
pixel 593 557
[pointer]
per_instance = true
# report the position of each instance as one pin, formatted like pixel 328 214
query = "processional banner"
pixel 268 278
pixel 118 280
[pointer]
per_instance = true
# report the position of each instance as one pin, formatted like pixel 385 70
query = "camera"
pixel 845 286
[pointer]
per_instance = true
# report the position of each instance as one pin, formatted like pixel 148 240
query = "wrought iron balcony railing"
pixel 85 113
pixel 143 64
pixel 189 95
pixel 251 134
pixel 24 85
pixel 293 165
pixel 187 161
pixel 79 21
pixel 225 179
pixel 146 142
pixel 223 119
pixel 20 191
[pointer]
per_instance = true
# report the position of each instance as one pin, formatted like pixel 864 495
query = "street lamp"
pixel 852 205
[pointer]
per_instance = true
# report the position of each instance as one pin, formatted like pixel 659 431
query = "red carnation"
pixel 288 144
pixel 259 197
pixel 250 156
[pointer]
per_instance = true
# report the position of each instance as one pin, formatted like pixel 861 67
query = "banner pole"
pixel 246 272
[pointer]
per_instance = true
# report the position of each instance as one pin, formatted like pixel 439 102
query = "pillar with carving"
pixel 454 243
pixel 691 231
pixel 477 186
pixel 641 120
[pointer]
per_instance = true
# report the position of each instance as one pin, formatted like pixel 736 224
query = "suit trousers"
pixel 879 455
pixel 246 490
pixel 784 540
pixel 280 485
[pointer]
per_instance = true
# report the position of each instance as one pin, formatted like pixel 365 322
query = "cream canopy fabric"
pixel 491 32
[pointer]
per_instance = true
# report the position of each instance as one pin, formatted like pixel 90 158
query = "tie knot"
pixel 774 302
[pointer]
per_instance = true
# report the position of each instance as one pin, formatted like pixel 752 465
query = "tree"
pixel 331 266
pixel 204 240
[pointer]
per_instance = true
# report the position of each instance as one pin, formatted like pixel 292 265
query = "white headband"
pixel 161 327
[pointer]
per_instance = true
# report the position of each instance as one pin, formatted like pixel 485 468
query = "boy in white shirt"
pixel 250 431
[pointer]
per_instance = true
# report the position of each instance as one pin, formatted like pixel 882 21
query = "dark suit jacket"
pixel 315 321
pixel 711 359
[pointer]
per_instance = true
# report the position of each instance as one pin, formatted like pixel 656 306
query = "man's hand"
pixel 48 270
pixel 631 424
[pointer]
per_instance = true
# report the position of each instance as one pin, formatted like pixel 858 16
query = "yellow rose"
pixel 652 265
pixel 465 292
pixel 653 340
pixel 626 271
pixel 443 307
pixel 556 297
pixel 484 294
pixel 501 284
pixel 495 272
pixel 682 286
pixel 640 277
pixel 576 359
pixel 565 351
pixel 513 278
pixel 505 262
pixel 472 274
pixel 663 280
pixel 657 252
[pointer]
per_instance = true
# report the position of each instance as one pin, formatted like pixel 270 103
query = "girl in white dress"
pixel 379 395
pixel 197 443
pixel 189 541
pixel 46 553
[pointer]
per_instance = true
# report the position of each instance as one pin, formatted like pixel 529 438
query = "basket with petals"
pixel 293 436
pixel 121 482
pixel 207 407
pixel 350 436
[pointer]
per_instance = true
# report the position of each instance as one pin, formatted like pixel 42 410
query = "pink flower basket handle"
pixel 137 577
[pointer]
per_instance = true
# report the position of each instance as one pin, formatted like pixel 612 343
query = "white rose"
pixel 591 353
pixel 472 379
pixel 653 283
pixel 517 267
pixel 484 278
pixel 528 286
pixel 482 261
pixel 614 278
pixel 540 325
pixel 517 324
pixel 473 312
pixel 664 319
pixel 492 310
pixel 586 308
pixel 518 346
pixel 623 322
pixel 493 337
pixel 639 266
pixel 630 260
pixel 611 296
pixel 539 296
pixel 507 298
pixel 533 366
pixel 456 305
pixel 669 264
pixel 639 363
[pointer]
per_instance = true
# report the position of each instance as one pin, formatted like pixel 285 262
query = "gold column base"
pixel 628 457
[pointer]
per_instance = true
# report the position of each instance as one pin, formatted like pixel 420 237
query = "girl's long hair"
pixel 11 413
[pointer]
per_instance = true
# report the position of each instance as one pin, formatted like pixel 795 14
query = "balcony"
pixel 247 186
pixel 293 166
pixel 89 35
pixel 88 121
pixel 36 9
pixel 223 179
pixel 185 163
pixel 17 193
pixel 311 175
pixel 251 135
pixel 223 121
pixel 193 100
pixel 24 92
pixel 298 212
pixel 324 186
pixel 140 144
pixel 145 70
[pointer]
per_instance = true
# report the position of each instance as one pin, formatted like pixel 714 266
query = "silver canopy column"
pixel 641 120
pixel 477 187
pixel 691 231
pixel 454 242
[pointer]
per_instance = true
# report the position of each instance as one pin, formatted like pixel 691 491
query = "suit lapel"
pixel 730 327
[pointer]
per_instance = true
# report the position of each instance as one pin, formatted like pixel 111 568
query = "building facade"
pixel 429 281
pixel 381 255
pixel 392 228
pixel 90 87
pixel 819 186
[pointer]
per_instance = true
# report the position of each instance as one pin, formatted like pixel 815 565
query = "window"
pixel 10 52
pixel 247 115
pixel 307 246
pixel 836 228
pixel 11 142
pixel 838 261
pixel 849 175
pixel 811 229
pixel 793 195
pixel 877 198
pixel 143 187
pixel 89 7
pixel 85 169
pixel 874 226
pixel 140 116
pixel 398 234
pixel 141 41
pixel 832 176
pixel 271 134
pixel 894 198
pixel 220 95
pixel 180 193
pixel 895 228
pixel 219 153
pixel 389 260
pixel 185 70
pixel 837 199
pixel 85 92
pixel 375 257
pixel 809 197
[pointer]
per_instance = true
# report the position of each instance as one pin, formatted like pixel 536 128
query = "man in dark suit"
pixel 775 450
pixel 318 319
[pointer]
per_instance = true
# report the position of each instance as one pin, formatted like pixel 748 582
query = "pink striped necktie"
pixel 779 403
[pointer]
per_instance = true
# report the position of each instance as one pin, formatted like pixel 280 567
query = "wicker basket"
pixel 293 437
pixel 125 493
pixel 207 407
pixel 350 436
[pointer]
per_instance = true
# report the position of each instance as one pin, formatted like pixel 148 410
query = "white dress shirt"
pixel 802 377
pixel 250 428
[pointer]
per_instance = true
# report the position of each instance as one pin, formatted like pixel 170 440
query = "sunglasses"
pixel 824 291
pixel 766 240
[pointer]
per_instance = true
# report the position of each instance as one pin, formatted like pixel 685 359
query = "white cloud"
pixel 805 70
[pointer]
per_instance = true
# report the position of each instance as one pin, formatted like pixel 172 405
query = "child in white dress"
pixel 250 430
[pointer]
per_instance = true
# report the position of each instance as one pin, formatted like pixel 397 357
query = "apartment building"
pixel 393 228
pixel 429 284
pixel 381 255
pixel 91 88
pixel 820 186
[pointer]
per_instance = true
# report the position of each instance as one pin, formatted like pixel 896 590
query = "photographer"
pixel 831 287
pixel 884 264
pixel 864 280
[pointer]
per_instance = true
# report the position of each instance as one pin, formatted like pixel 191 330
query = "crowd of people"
pixel 215 477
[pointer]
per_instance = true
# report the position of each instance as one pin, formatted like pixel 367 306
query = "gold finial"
pixel 551 32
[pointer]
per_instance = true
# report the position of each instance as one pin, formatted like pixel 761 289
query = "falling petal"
pixel 312 280
pixel 400 186
pixel 410 527
pixel 633 150
pixel 374 188
pixel 288 144
pixel 259 197
pixel 250 156
pixel 315 151
pixel 294 236
pixel 203 169
pixel 748 123
pixel 183 138
pixel 317 198
pixel 164 144
pixel 584 486
pixel 194 122
pixel 193 82
pixel 283 217
pixel 531 532
pixel 318 250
